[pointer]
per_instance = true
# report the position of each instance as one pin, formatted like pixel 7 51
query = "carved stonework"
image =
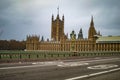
pixel 73 35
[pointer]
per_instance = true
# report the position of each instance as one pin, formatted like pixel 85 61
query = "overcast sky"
pixel 19 18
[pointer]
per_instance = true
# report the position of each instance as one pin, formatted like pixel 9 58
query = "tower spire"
pixel 91 31
pixel 80 34
pixel 58 10
pixel 52 17
pixel 92 23
pixel 92 18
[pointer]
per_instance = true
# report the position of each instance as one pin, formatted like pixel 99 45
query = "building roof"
pixel 108 39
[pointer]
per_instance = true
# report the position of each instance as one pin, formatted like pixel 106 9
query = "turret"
pixel 63 18
pixel 42 39
pixel 80 34
pixel 32 42
pixel 52 17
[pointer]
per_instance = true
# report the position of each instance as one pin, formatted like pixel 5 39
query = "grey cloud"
pixel 19 18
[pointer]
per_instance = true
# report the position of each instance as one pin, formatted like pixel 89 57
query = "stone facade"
pixel 57 28
pixel 60 42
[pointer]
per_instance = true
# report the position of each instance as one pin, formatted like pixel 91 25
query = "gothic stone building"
pixel 60 42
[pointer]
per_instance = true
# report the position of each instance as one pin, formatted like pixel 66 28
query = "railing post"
pixel 58 55
pixel 44 55
pixel 0 56
pixel 51 55
pixel 64 55
pixel 37 56
pixel 20 56
pixel 29 56
pixel 10 56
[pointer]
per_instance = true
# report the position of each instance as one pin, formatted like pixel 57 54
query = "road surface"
pixel 106 68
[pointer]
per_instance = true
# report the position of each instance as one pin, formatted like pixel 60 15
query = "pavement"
pixel 106 68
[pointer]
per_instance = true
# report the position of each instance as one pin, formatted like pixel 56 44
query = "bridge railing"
pixel 51 55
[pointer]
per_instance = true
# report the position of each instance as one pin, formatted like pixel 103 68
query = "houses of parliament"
pixel 60 42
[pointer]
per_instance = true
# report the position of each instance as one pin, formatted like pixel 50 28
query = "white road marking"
pixel 93 74
pixel 72 64
pixel 102 60
pixel 79 77
pixel 96 59
pixel 103 66
pixel 37 64
pixel 48 62
pixel 16 67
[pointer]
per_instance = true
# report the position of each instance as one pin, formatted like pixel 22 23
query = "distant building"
pixel 60 42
